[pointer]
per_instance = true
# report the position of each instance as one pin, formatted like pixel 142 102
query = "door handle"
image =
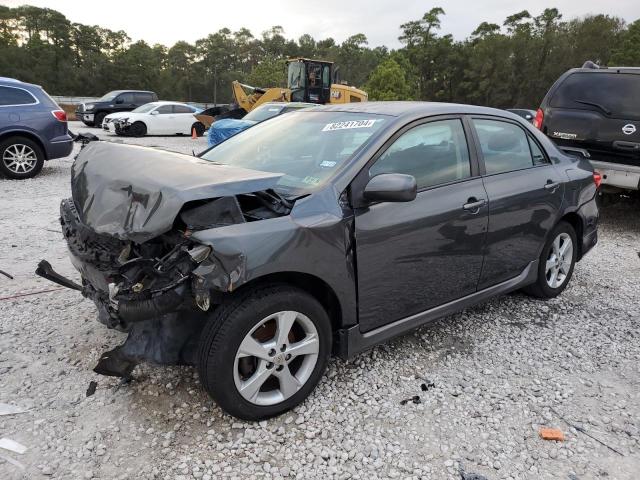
pixel 474 205
pixel 551 185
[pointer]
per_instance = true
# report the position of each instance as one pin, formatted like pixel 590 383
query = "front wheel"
pixel 557 260
pixel 263 352
pixel 137 129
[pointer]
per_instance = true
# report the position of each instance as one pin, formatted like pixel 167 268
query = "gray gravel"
pixel 491 375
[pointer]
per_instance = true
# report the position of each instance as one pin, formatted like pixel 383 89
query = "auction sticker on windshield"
pixel 347 125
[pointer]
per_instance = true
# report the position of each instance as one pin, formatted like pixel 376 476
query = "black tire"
pixel 541 288
pixel 228 326
pixel 98 119
pixel 137 129
pixel 199 128
pixel 88 124
pixel 10 169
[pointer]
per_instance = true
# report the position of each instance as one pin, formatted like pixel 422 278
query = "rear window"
pixel 143 97
pixel 15 96
pixel 612 94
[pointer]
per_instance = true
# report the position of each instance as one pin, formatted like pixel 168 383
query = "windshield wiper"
pixel 594 104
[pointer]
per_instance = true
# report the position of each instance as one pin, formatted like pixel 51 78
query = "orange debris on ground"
pixel 551 434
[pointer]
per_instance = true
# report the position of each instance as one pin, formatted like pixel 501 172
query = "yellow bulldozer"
pixel 312 81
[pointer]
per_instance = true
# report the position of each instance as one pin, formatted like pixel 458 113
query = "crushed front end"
pixel 156 291
pixel 130 232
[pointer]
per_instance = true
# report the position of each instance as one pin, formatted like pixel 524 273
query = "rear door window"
pixel 505 146
pixel 125 98
pixel 182 109
pixel 15 96
pixel 434 153
pixel 165 109
pixel 142 98
pixel 610 94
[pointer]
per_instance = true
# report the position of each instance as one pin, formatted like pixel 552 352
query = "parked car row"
pixel 591 112
pixel 93 113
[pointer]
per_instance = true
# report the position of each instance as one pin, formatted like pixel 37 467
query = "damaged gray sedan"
pixel 325 230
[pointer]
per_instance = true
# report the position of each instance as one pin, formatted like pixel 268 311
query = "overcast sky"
pixel 167 21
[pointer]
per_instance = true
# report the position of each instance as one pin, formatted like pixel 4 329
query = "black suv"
pixel 594 112
pixel 93 113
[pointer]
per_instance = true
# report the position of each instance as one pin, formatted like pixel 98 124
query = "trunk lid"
pixel 135 193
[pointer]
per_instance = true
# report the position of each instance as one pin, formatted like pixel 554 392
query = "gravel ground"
pixel 487 379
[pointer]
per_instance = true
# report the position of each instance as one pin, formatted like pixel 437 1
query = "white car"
pixel 155 118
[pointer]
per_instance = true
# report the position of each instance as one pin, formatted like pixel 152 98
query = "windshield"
pixel 614 94
pixel 263 112
pixel 147 107
pixel 307 147
pixel 109 96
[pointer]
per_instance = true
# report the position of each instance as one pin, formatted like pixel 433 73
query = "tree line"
pixel 508 65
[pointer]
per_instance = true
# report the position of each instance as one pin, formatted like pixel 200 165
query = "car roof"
pixel 410 109
pixel 130 91
pixel 632 70
pixel 288 104
pixel 16 82
pixel 168 102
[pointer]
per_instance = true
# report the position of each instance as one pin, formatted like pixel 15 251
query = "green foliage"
pixel 508 65
pixel 628 53
pixel 388 82
pixel 270 72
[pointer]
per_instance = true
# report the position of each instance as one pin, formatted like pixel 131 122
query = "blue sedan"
pixel 222 129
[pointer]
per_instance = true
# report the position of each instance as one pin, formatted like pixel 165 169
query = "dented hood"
pixel 135 193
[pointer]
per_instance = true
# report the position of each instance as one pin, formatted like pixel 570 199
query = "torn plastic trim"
pixel 45 270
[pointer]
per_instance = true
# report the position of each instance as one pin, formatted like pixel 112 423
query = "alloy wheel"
pixel 559 260
pixel 276 358
pixel 19 158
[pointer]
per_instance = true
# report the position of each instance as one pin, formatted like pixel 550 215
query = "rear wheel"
pixel 557 260
pixel 263 352
pixel 20 158
pixel 138 129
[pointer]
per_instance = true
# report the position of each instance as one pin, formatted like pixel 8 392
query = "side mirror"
pixel 155 112
pixel 391 187
pixel 528 116
pixel 119 101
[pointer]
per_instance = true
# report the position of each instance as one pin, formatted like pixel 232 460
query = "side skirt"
pixel 352 341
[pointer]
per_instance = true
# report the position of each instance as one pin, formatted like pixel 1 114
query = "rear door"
pixel 184 119
pixel 140 98
pixel 598 111
pixel 417 255
pixel 125 102
pixel 525 194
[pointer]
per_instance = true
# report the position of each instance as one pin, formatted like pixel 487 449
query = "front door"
pixel 163 123
pixel 525 195
pixel 414 256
